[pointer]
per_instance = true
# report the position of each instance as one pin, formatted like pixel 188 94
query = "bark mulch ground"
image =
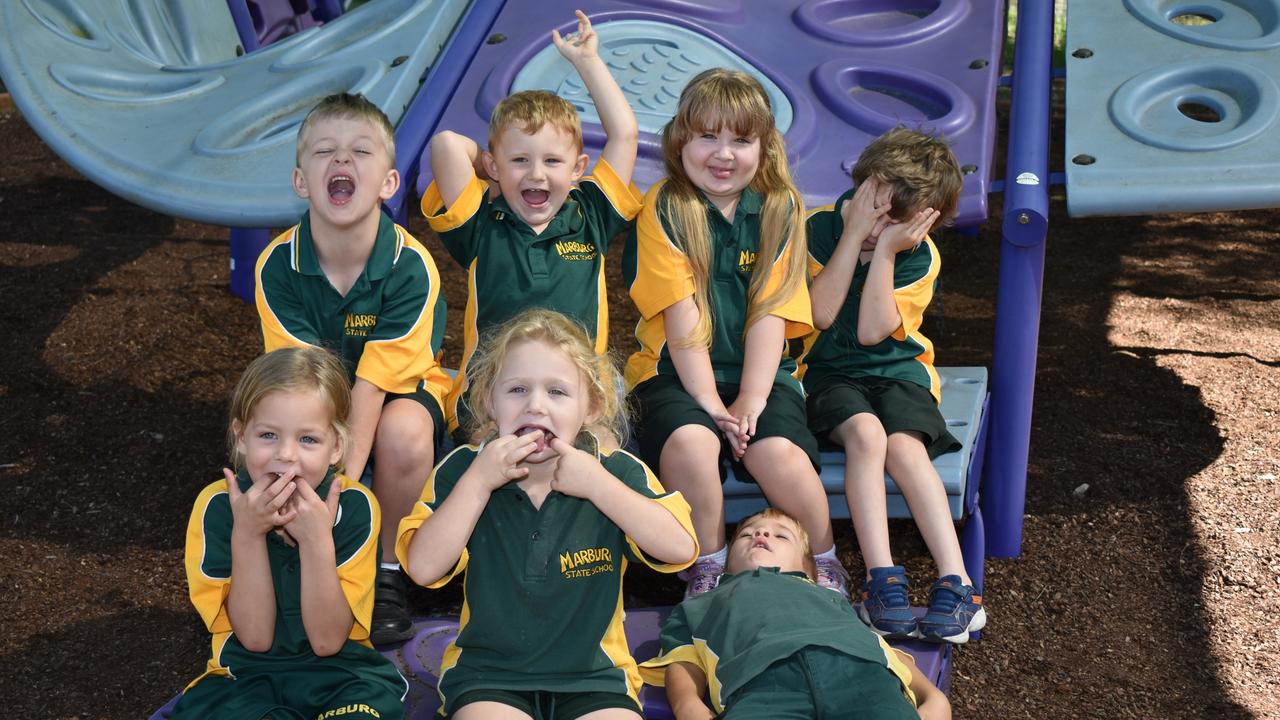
pixel 1150 571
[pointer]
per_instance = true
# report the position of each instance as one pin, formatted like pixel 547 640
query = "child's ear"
pixel 490 165
pixel 390 184
pixel 580 167
pixel 336 455
pixel 300 184
pixel 237 430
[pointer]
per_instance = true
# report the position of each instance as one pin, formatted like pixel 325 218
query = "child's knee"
pixel 861 434
pixel 406 431
pixel 907 443
pixel 690 446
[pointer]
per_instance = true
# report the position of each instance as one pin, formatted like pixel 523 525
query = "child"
pixel 870 378
pixel 811 660
pixel 348 279
pixel 540 241
pixel 716 268
pixel 544 524
pixel 281 556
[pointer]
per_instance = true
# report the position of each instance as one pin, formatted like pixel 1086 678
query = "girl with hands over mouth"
pixel 542 522
pixel 281 556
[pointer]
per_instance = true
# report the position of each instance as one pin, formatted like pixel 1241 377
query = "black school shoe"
pixel 391 622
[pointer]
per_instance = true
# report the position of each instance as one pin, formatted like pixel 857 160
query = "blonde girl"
pixel 543 521
pixel 281 556
pixel 717 269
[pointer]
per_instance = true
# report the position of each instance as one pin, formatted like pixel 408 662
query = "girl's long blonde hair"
pixel 292 369
pixel 600 375
pixel 716 99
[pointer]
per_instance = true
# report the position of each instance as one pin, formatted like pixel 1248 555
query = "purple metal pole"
pixel 244 24
pixel 326 10
pixel 419 120
pixel 246 245
pixel 1026 213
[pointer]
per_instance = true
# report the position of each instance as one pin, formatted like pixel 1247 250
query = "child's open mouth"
pixel 341 188
pixel 541 443
pixel 535 198
pixel 721 173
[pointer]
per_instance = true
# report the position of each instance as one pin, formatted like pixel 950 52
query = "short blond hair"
pixel 531 109
pixel 920 170
pixel 345 106
pixel 292 369
pixel 560 332
pixel 802 537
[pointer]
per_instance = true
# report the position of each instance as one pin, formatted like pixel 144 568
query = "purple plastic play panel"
pixel 851 69
pixel 276 19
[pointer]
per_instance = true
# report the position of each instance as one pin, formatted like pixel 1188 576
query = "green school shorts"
pixel 900 405
pixel 548 705
pixel 818 683
pixel 663 406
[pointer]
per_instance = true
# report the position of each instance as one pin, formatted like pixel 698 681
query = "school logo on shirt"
pixel 585 563
pixel 574 250
pixel 359 325
pixel 746 261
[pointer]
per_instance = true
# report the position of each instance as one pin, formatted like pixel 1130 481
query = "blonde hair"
pixel 292 369
pixel 713 100
pixel 345 106
pixel 569 337
pixel 532 109
pixel 802 537
pixel 920 170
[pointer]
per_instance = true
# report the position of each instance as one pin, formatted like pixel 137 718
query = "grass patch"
pixel 1059 32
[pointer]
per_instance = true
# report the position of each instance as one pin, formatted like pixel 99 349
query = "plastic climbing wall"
pixel 839 72
pixel 156 102
pixel 1172 105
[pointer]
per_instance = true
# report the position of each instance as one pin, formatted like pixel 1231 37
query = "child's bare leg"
pixel 790 483
pixel 690 463
pixel 908 464
pixel 864 442
pixel 611 714
pixel 404 451
pixel 486 709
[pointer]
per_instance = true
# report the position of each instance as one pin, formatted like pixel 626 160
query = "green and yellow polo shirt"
pixel 756 618
pixel 658 274
pixel 542 606
pixel 387 329
pixel 208 564
pixel 511 269
pixel 906 354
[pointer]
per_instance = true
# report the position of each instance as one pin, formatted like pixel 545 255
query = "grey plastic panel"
pixel 963 391
pixel 151 100
pixel 1172 106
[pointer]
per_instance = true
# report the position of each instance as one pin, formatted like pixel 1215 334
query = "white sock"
pixel 389 565
pixel 720 556
pixel 828 555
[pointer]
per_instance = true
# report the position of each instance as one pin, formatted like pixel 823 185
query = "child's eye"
pixel 323 151
pixel 516 389
pixel 308 439
pixel 558 391
pixel 742 140
pixel 363 151
pixel 266 435
pixel 707 136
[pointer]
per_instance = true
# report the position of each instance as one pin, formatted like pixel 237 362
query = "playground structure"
pixel 175 67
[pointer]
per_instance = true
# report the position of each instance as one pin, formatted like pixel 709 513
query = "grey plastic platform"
pixel 151 100
pixel 964 390
pixel 1172 106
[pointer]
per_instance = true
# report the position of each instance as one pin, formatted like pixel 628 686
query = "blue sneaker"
pixel 955 610
pixel 885 607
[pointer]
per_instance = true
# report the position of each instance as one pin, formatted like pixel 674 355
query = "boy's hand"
pixel 496 465
pixel 576 473
pixel 860 212
pixel 906 235
pixel 580 45
pixel 264 505
pixel 313 516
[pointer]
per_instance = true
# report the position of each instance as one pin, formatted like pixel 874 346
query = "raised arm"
pixel 650 525
pixel 878 313
pixel 455 159
pixel 831 285
pixel 581 48
pixel 438 543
